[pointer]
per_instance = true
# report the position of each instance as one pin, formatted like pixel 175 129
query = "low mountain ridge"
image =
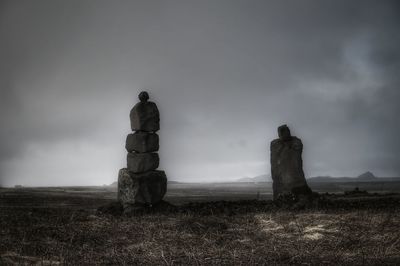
pixel 364 177
pixel 256 179
pixel 367 176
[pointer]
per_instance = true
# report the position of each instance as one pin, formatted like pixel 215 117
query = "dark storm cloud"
pixel 225 74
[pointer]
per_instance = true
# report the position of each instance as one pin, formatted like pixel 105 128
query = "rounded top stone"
pixel 284 132
pixel 143 96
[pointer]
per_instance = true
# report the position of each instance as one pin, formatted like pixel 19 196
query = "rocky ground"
pixel 64 227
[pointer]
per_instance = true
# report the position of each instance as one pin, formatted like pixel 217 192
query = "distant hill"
pixel 173 182
pixel 256 179
pixel 365 177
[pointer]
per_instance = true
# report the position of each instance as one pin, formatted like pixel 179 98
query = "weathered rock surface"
pixel 142 162
pixel 287 165
pixel 145 116
pixel 145 188
pixel 142 142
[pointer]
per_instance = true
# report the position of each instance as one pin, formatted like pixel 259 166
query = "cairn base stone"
pixel 145 116
pixel 287 167
pixel 142 142
pixel 137 189
pixel 142 162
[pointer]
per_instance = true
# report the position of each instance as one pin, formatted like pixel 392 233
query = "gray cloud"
pixel 225 74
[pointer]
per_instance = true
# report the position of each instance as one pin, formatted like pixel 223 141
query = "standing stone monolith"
pixel 287 165
pixel 140 184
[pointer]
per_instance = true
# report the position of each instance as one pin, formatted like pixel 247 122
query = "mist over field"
pixel 224 74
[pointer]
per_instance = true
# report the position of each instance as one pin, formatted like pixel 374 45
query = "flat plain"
pixel 216 224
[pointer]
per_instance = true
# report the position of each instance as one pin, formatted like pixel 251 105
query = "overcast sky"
pixel 225 75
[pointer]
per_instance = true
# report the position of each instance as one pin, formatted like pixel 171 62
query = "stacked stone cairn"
pixel 140 184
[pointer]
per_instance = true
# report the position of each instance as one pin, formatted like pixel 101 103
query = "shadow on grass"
pixel 229 208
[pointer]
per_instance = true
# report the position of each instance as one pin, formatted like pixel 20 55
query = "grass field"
pixel 50 226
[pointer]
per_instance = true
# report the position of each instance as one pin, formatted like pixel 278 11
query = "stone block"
pixel 142 162
pixel 144 188
pixel 145 116
pixel 142 142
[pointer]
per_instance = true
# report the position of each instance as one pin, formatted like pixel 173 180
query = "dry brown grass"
pixel 50 236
